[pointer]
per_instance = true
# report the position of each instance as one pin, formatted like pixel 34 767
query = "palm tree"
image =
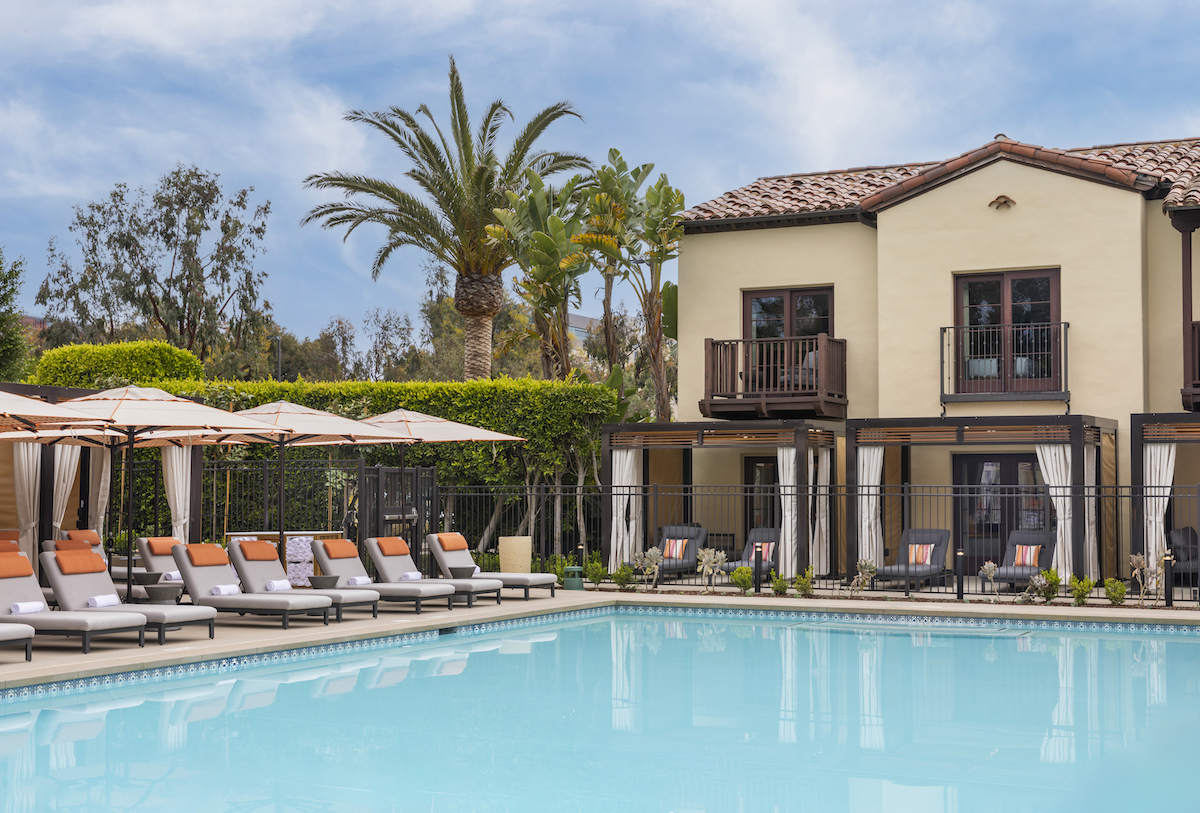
pixel 464 180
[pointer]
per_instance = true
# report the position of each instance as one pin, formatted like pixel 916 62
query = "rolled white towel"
pixel 358 581
pixel 172 576
pixel 476 570
pixel 106 600
pixel 224 590
pixel 411 576
pixel 275 585
pixel 26 607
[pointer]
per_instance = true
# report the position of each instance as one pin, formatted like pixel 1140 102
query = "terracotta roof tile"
pixel 1173 162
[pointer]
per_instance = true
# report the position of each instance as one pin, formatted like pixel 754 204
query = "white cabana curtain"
pixel 99 483
pixel 1058 746
pixel 870 526
pixel 1089 490
pixel 626 507
pixel 66 467
pixel 1055 462
pixel 790 499
pixel 1158 474
pixel 27 472
pixel 177 480
pixel 818 540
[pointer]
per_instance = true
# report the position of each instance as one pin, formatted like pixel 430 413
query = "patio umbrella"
pixel 20 413
pixel 314 427
pixel 431 429
pixel 154 415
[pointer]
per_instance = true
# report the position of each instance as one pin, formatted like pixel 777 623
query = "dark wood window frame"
pixel 789 307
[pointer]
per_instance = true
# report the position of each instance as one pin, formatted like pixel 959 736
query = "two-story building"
pixel 997 346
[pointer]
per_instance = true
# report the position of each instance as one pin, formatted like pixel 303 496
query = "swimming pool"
pixel 637 711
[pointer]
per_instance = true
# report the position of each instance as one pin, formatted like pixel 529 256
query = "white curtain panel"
pixel 626 507
pixel 1058 746
pixel 177 479
pixel 1158 474
pixel 66 467
pixel 787 699
pixel 870 526
pixel 789 498
pixel 1089 490
pixel 1055 461
pixel 99 482
pixel 27 472
pixel 819 540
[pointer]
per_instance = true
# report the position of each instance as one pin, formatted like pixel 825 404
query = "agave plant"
pixel 989 572
pixel 648 563
pixel 708 561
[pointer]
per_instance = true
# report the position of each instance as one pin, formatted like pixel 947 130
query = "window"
pixel 1008 335
pixel 785 314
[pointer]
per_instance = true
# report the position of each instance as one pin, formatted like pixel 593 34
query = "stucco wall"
pixel 714 270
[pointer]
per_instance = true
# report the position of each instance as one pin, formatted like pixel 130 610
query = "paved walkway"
pixel 56 658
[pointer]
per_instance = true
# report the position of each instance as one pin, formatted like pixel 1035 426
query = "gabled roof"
pixel 1173 166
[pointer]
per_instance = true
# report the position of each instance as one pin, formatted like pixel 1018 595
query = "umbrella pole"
pixel 129 517
pixel 282 540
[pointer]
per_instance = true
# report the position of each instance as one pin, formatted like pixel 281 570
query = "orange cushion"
pixel 10 534
pixel 79 561
pixel 258 551
pixel 9 547
pixel 204 555
pixel 161 545
pixel 392 546
pixel 340 549
pixel 14 565
pixel 452 541
pixel 73 544
pixel 85 535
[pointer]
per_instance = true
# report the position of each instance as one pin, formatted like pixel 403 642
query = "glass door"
pixel 762 508
pixel 997 494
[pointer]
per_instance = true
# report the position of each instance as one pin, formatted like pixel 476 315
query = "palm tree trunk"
pixel 610 328
pixel 479 298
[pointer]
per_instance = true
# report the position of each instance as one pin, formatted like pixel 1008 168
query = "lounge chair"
pixel 155 553
pixel 392 559
pixel 912 574
pixel 17 584
pixel 339 557
pixel 767 536
pixel 257 562
pixel 1185 548
pixel 203 567
pixel 452 551
pixel 1009 572
pixel 74 589
pixel 89 540
pixel 696 537
pixel 18 635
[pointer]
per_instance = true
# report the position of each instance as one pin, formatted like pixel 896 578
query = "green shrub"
pixel 779 585
pixel 1080 590
pixel 1114 590
pixel 804 583
pixel 89 365
pixel 743 577
pixel 487 561
pixel 595 572
pixel 1053 582
pixel 623 577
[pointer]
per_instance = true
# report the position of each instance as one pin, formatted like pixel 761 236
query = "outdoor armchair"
pixel 451 550
pixel 257 572
pixel 1185 548
pixel 214 570
pixel 397 560
pixel 339 557
pixel 914 574
pixel 73 591
pixel 766 536
pixel 1011 573
pixel 696 537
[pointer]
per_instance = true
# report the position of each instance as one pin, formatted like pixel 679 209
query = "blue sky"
pixel 715 94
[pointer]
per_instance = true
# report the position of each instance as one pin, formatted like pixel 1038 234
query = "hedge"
pixel 561 422
pixel 87 365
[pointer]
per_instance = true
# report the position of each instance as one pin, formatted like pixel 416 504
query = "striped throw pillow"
pixel 674 548
pixel 767 547
pixel 919 554
pixel 1027 555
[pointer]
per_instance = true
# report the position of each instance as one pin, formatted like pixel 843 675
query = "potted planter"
pixel 516 554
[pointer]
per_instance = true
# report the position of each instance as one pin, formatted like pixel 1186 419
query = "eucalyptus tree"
pixel 462 179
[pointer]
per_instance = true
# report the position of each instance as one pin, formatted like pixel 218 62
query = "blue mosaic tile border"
pixel 217 666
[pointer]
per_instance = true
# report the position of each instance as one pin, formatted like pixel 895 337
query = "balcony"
pixel 774 378
pixel 1191 383
pixel 1025 362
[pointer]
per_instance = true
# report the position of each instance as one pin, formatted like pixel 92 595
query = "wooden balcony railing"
pixel 774 377
pixel 1005 362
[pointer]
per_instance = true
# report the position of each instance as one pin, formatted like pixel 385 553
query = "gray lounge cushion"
pixel 26 588
pixel 15 631
pixel 154 564
pixel 1008 572
pixel 352 566
pixel 201 580
pixel 939 538
pixel 696 535
pixel 447 559
pixel 390 568
pixel 256 573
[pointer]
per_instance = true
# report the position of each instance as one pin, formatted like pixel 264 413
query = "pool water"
pixel 641 713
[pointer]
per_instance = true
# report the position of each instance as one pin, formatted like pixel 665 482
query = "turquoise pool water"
pixel 641 713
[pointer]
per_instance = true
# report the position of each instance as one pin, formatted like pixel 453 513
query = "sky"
pixel 714 94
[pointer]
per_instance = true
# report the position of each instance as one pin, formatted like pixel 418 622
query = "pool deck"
pixel 56 658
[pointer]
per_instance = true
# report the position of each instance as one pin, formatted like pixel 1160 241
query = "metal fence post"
pixel 1169 578
pixel 758 567
pixel 958 571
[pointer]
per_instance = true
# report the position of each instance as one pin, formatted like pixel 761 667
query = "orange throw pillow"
pixel 71 562
pixel 10 535
pixel 340 549
pixel 452 541
pixel 392 546
pixel 161 545
pixel 14 566
pixel 9 547
pixel 205 555
pixel 85 535
pixel 258 551
pixel 72 544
